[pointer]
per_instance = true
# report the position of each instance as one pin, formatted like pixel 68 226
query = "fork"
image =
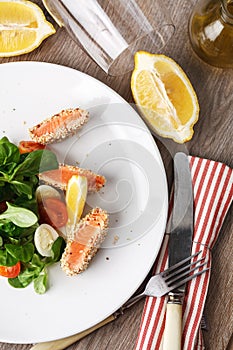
pixel 158 285
pixel 170 279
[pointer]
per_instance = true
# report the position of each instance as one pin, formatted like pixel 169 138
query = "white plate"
pixel 116 143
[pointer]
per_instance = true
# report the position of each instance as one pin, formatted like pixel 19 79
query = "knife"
pixel 179 247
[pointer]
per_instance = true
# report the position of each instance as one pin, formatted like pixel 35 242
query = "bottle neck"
pixel 227 11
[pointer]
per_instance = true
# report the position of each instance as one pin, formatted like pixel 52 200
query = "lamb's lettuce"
pixel 18 172
pixel 18 183
pixel 19 216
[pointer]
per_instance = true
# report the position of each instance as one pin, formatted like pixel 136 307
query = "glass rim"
pixel 227 15
pixel 111 68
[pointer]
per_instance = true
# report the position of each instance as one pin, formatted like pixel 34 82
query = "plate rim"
pixel 60 66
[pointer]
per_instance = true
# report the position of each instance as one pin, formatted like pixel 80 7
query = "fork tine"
pixel 186 267
pixel 179 276
pixel 180 263
pixel 178 284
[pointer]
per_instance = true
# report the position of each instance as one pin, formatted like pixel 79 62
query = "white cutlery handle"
pixel 173 327
pixel 63 343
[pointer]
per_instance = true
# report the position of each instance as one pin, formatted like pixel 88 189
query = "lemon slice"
pixel 23 27
pixel 165 96
pixel 76 195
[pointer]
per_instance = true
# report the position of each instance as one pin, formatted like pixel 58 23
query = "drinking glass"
pixel 111 31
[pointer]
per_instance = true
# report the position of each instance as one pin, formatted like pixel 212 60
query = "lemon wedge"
pixel 23 27
pixel 76 195
pixel 164 96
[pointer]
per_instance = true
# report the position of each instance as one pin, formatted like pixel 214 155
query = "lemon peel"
pixel 23 27
pixel 76 195
pixel 164 96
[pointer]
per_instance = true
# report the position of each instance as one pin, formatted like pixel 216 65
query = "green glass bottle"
pixel 211 32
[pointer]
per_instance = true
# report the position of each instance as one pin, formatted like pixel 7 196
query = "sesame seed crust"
pixel 98 219
pixel 59 126
pixel 95 181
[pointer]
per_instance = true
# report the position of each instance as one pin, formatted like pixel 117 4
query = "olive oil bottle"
pixel 211 32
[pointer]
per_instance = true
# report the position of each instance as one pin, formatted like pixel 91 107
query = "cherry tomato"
pixel 29 146
pixel 10 271
pixel 53 211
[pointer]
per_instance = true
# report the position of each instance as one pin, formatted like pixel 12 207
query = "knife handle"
pixel 63 343
pixel 173 327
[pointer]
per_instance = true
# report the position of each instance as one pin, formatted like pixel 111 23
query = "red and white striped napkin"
pixel 213 194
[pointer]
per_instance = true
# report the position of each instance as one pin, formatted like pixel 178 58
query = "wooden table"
pixel 212 139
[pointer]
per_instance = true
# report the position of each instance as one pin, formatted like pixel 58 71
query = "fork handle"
pixel 173 327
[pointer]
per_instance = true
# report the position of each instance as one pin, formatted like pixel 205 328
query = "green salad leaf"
pixel 9 153
pixel 23 253
pixel 57 249
pixel 19 216
pixel 36 162
pixel 18 183
pixel 36 269
pixel 7 259
pixel 41 282
pixel 18 172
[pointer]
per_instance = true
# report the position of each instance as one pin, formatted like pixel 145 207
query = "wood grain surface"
pixel 212 139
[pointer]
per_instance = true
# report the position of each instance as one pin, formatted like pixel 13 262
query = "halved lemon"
pixel 165 96
pixel 76 195
pixel 23 27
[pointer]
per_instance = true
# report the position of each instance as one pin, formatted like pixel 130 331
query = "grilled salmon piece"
pixel 83 246
pixel 59 177
pixel 59 126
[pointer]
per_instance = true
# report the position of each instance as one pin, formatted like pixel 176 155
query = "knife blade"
pixel 179 246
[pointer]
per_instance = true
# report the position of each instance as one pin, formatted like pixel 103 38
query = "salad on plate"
pixel 41 206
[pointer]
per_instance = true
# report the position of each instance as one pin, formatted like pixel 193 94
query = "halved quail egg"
pixel 45 236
